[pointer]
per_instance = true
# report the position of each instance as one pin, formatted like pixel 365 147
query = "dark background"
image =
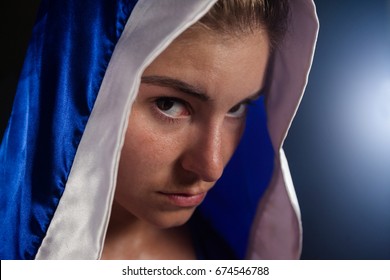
pixel 339 144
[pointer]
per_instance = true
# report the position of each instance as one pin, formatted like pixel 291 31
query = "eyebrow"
pixel 184 87
pixel 176 84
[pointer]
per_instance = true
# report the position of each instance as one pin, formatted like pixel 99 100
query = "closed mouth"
pixel 185 199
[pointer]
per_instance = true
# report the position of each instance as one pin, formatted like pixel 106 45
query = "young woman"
pixel 125 122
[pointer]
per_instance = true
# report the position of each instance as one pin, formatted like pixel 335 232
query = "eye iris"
pixel 165 104
pixel 235 108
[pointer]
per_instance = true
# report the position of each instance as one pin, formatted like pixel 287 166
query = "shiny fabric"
pixel 277 230
pixel 60 153
pixel 69 51
pixel 78 227
pixel 231 205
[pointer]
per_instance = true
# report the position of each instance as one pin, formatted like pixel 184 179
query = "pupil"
pixel 235 108
pixel 165 104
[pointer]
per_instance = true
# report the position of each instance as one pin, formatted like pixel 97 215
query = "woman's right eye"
pixel 172 107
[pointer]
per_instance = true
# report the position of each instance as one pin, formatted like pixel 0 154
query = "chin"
pixel 171 220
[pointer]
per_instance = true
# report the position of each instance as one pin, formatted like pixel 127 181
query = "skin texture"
pixel 184 127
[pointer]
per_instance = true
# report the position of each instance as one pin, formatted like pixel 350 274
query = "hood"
pixel 59 155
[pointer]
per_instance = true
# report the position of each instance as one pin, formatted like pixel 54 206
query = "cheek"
pixel 239 133
pixel 137 162
pixel 147 152
pixel 232 138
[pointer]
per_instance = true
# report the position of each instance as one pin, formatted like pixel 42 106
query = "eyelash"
pixel 187 106
pixel 164 116
pixel 247 104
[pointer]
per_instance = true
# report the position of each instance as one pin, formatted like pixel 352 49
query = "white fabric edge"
pixel 283 158
pixel 70 197
pixel 287 178
pixel 91 183
pixel 274 216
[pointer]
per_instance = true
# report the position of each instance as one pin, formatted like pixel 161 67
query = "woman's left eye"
pixel 172 107
pixel 238 111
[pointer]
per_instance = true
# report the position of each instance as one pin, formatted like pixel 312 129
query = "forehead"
pixel 215 63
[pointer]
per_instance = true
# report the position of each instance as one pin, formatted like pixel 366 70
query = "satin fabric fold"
pixel 70 48
pixel 60 152
pixel 230 207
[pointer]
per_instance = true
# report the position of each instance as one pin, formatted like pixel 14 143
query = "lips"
pixel 184 199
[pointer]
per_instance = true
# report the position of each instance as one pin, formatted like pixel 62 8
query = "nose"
pixel 204 157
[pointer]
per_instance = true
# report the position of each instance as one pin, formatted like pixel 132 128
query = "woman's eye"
pixel 172 107
pixel 238 111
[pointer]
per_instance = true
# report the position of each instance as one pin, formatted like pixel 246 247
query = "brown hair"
pixel 236 17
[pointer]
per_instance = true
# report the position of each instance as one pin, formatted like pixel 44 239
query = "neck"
pixel 131 238
pixel 123 222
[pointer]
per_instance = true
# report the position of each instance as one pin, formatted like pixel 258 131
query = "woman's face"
pixel 186 122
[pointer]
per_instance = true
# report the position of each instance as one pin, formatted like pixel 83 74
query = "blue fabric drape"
pixel 69 51
pixel 230 207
